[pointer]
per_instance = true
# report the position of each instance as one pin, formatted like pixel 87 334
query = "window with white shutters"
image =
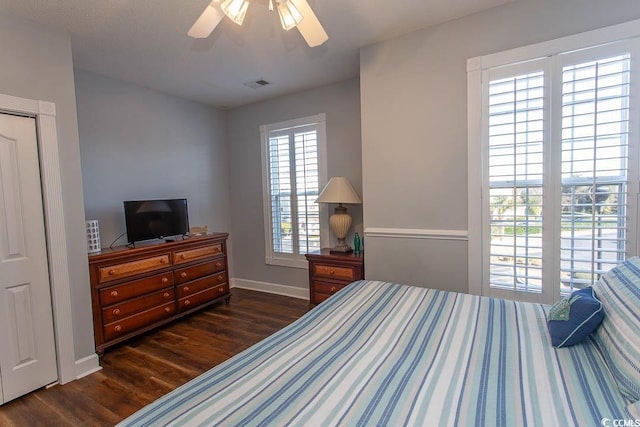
pixel 595 134
pixel 558 166
pixel 293 170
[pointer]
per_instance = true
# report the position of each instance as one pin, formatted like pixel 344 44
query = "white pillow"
pixel 619 334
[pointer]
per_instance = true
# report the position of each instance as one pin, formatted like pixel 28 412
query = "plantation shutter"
pixel 280 185
pixel 307 190
pixel 515 172
pixel 294 187
pixel 595 127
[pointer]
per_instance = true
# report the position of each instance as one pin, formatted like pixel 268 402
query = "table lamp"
pixel 339 190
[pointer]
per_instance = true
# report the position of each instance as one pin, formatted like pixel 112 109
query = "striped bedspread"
pixel 381 354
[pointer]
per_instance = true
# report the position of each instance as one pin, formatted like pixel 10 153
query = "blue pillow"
pixel 573 318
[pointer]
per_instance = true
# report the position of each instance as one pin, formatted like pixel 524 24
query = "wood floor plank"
pixel 140 370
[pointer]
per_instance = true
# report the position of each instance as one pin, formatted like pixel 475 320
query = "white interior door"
pixel 27 347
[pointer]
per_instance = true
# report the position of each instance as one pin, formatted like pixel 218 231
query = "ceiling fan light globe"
pixel 290 16
pixel 236 10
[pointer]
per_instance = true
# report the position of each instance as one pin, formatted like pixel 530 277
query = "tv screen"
pixel 155 219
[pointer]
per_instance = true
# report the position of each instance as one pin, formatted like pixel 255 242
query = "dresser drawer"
pixel 135 288
pixel 187 274
pixel 340 273
pixel 131 268
pixel 195 286
pixel 188 255
pixel 132 323
pixel 126 309
pixel 191 301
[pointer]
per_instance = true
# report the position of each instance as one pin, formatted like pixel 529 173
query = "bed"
pixel 379 354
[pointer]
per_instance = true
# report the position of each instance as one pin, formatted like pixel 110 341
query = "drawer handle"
pixel 220 277
pixel 116 311
pixel 187 302
pixel 167 309
pixel 333 289
pixel 112 272
pixel 183 274
pixel 163 260
pixel 216 250
pixel 114 293
pixel 221 290
pixel 164 280
pixel 186 289
pixel 117 328
pixel 332 271
pixel 218 265
pixel 166 295
pixel 183 256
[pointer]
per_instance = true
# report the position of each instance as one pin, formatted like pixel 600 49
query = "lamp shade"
pixel 338 190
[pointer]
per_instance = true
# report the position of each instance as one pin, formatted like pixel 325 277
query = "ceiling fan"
pixel 293 13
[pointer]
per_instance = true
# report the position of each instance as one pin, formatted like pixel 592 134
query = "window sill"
pixel 288 262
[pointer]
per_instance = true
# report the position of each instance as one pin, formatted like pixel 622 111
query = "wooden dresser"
pixel 328 273
pixel 136 289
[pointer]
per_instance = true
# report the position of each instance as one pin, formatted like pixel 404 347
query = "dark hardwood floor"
pixel 141 370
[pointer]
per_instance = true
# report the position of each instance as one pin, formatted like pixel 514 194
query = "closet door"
pixel 27 349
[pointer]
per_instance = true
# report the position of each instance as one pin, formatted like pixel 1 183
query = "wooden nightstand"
pixel 328 273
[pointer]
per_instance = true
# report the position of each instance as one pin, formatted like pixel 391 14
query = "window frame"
pixel 477 86
pixel 266 131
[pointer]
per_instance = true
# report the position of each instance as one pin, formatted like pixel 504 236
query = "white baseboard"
pixel 270 288
pixel 87 365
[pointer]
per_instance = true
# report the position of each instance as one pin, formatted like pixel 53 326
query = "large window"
pixel 558 173
pixel 293 172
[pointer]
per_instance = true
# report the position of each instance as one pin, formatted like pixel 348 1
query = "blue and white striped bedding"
pixel 386 354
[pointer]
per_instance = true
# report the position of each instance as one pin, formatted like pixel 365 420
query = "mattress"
pixel 381 354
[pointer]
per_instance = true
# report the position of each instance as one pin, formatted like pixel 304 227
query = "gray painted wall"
pixel 137 144
pixel 38 65
pixel 414 128
pixel 341 103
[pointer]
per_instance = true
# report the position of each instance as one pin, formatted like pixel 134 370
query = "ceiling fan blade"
pixel 207 22
pixel 310 27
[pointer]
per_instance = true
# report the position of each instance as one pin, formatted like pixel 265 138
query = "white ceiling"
pixel 145 42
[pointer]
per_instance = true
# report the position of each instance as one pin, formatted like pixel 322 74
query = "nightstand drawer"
pixel 318 298
pixel 320 291
pixel 326 288
pixel 334 272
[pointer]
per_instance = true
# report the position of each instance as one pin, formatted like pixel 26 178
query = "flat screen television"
pixel 155 219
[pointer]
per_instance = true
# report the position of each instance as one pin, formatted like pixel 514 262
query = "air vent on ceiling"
pixel 257 84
